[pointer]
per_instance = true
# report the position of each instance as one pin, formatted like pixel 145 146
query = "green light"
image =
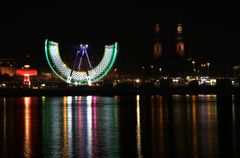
pixel 79 78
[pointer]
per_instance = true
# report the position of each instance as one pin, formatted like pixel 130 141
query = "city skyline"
pixel 209 36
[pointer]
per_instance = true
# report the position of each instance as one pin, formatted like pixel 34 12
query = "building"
pixel 236 71
pixel 8 66
pixel 180 46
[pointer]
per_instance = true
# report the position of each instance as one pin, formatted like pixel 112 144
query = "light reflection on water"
pixel 27 131
pixel 138 128
pixel 4 126
pixel 120 126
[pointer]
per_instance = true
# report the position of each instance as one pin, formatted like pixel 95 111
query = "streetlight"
pixel 193 62
pixel 208 64
pixel 160 70
pixel 203 68
pixel 152 71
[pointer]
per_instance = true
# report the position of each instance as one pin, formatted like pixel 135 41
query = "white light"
pixel 138 80
pixel 3 85
pixel 69 79
pixel 89 81
pixel 175 80
pixel 69 100
pixel 26 66
pixel 137 97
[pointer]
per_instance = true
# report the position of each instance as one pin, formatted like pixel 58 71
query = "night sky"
pixel 210 34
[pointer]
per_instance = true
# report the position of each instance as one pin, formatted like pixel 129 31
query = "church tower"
pixel 157 45
pixel 180 46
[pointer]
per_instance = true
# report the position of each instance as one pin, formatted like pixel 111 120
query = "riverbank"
pixel 78 91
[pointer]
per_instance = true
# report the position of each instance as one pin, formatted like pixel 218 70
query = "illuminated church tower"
pixel 180 43
pixel 157 46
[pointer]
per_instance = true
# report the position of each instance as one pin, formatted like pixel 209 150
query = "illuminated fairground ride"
pixel 74 75
pixel 26 73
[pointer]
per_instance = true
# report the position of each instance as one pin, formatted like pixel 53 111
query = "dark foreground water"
pixel 184 126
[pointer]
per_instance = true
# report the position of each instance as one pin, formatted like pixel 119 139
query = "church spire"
pixel 157 45
pixel 180 45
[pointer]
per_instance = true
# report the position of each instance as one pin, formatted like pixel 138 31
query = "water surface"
pixel 120 126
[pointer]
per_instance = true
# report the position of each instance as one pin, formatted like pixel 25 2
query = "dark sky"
pixel 210 34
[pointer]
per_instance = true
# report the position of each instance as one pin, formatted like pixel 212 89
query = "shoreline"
pixel 110 91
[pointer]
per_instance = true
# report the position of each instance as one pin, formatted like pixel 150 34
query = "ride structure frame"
pixel 71 76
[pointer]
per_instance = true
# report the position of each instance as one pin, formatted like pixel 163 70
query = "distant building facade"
pixel 8 66
pixel 236 70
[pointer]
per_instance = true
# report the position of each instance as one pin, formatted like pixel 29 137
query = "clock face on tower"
pixel 179 29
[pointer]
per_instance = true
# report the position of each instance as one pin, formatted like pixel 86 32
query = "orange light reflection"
pixel 27 132
pixel 138 128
